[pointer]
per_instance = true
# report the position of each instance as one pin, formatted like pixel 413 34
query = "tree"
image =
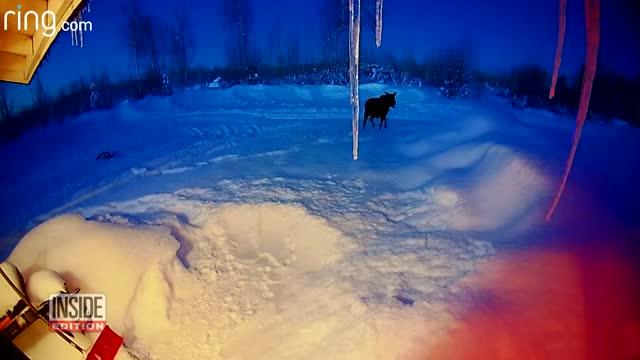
pixel 275 48
pixel 292 49
pixel 336 28
pixel 530 80
pixel 5 106
pixel 238 19
pixel 133 35
pixel 42 104
pixel 284 48
pixel 151 43
pixel 368 10
pixel 182 45
pixel 451 70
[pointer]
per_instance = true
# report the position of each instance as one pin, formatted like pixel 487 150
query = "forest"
pixel 159 49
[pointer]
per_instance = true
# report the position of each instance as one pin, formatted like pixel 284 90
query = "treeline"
pixel 614 96
pixel 162 54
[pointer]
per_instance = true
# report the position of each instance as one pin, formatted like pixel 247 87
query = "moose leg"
pixel 365 122
pixel 382 120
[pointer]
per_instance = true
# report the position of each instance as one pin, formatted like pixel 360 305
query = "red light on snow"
pixel 549 304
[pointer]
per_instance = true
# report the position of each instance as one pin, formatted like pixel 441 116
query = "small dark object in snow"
pixel 405 300
pixel 107 155
pixel 379 108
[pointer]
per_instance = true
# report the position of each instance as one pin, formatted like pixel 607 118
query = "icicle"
pixel 77 35
pixel 80 31
pixel 74 38
pixel 379 22
pixel 558 60
pixel 592 23
pixel 354 58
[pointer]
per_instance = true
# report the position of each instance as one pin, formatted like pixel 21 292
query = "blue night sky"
pixel 504 32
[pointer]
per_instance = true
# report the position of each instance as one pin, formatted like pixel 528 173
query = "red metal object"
pixel 107 345
pixel 5 322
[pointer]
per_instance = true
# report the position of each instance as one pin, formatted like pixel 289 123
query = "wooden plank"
pixel 12 76
pixel 16 43
pixel 12 62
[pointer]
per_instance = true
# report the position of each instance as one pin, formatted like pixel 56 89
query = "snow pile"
pixel 241 258
pixel 187 278
pixel 215 84
pixel 128 264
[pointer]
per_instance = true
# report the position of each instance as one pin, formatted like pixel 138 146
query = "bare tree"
pixel 5 106
pixel 274 51
pixel 238 19
pixel 151 43
pixel 284 48
pixel 368 9
pixel 41 101
pixel 311 43
pixel 293 49
pixel 133 35
pixel 182 45
pixel 336 28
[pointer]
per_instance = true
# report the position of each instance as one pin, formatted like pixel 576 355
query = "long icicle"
pixel 354 59
pixel 379 22
pixel 561 31
pixel 592 23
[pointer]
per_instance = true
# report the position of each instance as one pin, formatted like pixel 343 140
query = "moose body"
pixel 379 108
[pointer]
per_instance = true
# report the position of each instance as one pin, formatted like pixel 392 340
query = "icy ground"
pixel 234 223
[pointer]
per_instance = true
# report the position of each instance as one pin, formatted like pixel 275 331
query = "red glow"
pixel 580 303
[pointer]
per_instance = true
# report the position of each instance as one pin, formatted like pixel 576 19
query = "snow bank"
pixel 239 258
pixel 188 278
pixel 127 264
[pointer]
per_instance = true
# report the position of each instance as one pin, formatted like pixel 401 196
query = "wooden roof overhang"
pixel 22 48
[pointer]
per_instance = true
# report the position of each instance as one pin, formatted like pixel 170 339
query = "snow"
pixel 42 284
pixel 234 224
pixel 215 84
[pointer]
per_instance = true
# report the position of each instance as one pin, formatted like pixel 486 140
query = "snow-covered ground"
pixel 234 223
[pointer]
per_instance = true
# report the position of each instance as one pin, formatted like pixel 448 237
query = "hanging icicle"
pixel 354 59
pixel 561 30
pixel 379 22
pixel 77 30
pixel 592 24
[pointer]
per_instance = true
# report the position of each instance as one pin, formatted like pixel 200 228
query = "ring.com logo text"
pixel 18 21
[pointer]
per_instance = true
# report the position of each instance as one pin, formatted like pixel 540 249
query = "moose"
pixel 379 108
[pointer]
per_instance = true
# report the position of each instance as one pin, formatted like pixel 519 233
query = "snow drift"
pixel 238 216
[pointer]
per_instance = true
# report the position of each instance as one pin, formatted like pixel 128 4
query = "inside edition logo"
pixel 77 312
